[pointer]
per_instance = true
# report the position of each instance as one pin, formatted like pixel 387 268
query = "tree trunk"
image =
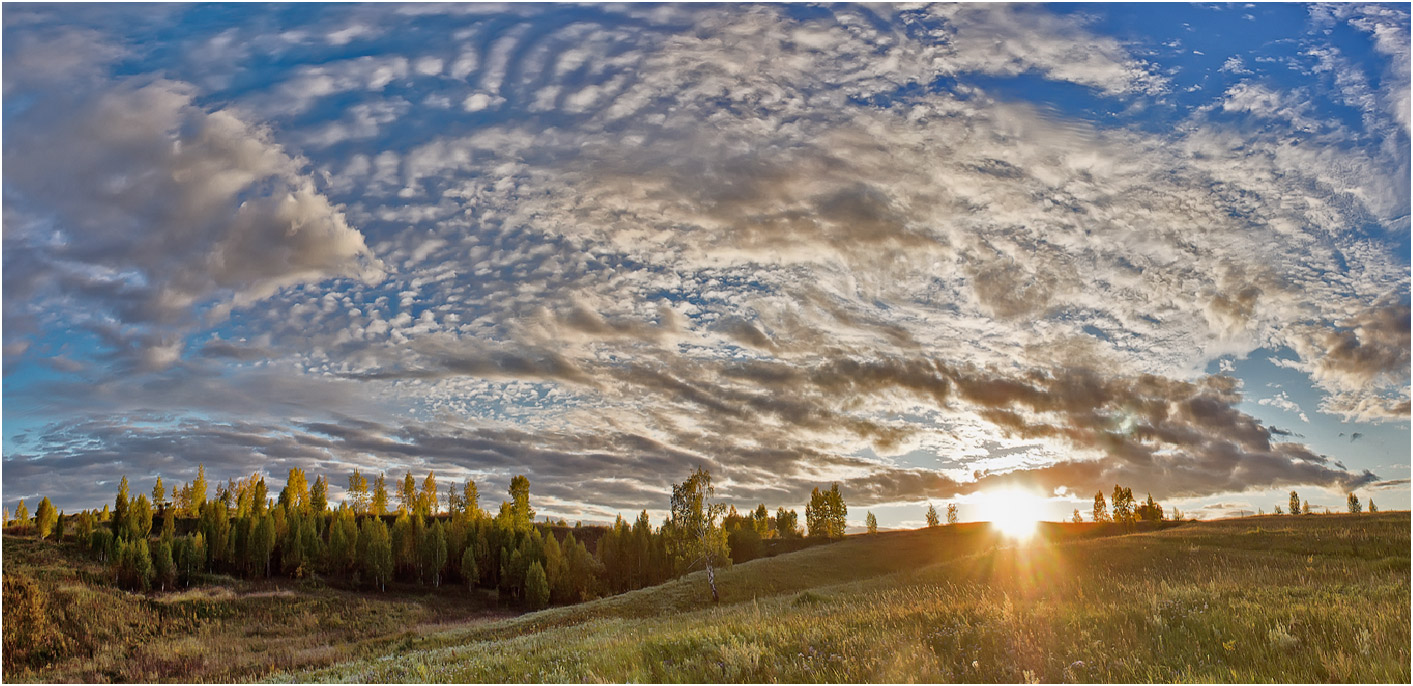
pixel 711 579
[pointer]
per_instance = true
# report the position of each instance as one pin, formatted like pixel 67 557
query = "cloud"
pixel 149 206
pixel 796 249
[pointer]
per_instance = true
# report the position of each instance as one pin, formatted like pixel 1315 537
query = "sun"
pixel 1013 512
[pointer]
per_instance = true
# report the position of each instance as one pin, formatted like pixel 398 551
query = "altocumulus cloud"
pixel 603 245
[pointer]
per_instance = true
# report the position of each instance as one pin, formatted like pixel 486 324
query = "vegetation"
pixel 1317 599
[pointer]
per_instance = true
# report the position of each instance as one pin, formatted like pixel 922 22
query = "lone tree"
pixel 1353 502
pixel 1294 503
pixel 932 518
pixel 698 538
pixel 872 522
pixel 951 514
pixel 1372 507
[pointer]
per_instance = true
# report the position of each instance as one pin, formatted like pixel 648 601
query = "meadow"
pixel 1261 599
pixel 1317 598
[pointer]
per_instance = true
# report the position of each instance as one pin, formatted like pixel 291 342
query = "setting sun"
pixel 1013 512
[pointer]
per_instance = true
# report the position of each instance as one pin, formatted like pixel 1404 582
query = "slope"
pixel 1318 598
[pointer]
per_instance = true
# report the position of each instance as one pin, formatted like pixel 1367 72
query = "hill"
pixel 1288 599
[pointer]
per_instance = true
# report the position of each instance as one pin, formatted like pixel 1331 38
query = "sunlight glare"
pixel 1014 512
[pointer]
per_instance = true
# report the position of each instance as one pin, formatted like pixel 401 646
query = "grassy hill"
pixel 65 622
pixel 1287 599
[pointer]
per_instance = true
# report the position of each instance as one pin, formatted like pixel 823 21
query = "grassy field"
pixel 63 621
pixel 1270 599
pixel 1283 599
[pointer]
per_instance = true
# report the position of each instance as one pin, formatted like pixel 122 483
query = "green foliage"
pixel 521 512
pixel 21 515
pixel 140 518
pixel 380 496
pixel 537 590
pixel 163 568
pixel 825 515
pixel 433 552
pixel 787 523
pixel 470 498
pixel 1294 503
pixel 1353 503
pixel 319 496
pixel 358 493
pixel 469 573
pixel 407 495
pixel 44 517
pixel 122 523
pixel 694 539
pixel 871 523
pixel 427 498
pixel 375 552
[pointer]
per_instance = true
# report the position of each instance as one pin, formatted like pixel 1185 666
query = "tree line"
pixel 415 534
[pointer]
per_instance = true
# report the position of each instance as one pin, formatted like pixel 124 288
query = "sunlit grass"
pixel 1315 599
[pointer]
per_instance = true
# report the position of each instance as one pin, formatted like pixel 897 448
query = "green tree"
pixel 427 499
pixel 1294 503
pixel 61 519
pixel 262 545
pixel 319 496
pixel 871 522
pixel 434 553
pixel 44 518
pixel 951 513
pixel 358 493
pixel 404 542
pixel 471 499
pixel 163 569
pixel 469 573
pixel 140 518
pixel 537 590
pixel 697 539
pixel 159 495
pixel 380 496
pixel 1353 502
pixel 22 516
pixel 197 498
pixel 932 518
pixel 375 553
pixel 523 515
pixel 407 495
pixel 296 491
pixel 787 523
pixel 825 513
pixel 121 503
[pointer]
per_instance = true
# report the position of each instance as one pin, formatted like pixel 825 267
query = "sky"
pixel 927 252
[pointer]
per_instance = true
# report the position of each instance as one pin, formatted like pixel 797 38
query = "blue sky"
pixel 923 251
